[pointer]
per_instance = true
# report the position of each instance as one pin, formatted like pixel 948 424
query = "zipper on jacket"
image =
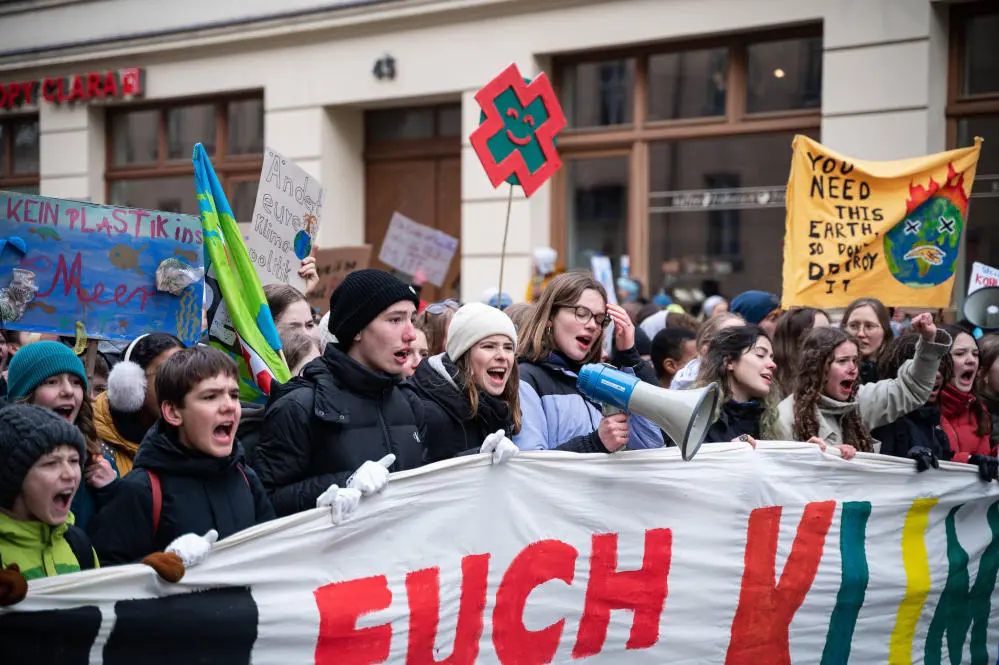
pixel 388 435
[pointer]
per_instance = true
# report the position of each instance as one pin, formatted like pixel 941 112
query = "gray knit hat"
pixel 26 433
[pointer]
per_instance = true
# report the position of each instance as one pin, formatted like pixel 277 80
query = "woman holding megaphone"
pixel 565 332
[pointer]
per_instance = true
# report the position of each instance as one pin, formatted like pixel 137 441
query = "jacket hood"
pixel 162 451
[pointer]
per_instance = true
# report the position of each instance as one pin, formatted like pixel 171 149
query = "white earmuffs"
pixel 127 383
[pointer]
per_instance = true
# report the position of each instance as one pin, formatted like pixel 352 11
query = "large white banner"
pixel 782 554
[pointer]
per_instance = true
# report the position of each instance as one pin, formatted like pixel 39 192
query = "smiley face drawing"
pixel 515 140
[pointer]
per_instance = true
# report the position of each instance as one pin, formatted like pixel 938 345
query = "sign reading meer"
pixel 97 265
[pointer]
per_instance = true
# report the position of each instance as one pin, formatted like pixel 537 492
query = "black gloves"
pixel 924 458
pixel 988 467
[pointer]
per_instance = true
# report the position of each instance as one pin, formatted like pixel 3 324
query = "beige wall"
pixel 883 83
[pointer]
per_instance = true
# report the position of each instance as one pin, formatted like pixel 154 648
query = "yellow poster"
pixel 889 230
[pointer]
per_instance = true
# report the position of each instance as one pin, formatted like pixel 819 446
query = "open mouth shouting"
pixel 401 356
pixel 767 376
pixel 66 411
pixel 497 376
pixel 966 380
pixel 62 500
pixel 224 432
pixel 584 341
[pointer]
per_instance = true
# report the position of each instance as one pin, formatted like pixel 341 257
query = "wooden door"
pixel 427 191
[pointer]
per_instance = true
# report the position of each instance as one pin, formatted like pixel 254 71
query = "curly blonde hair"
pixel 816 357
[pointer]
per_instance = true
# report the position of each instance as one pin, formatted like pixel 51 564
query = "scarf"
pixel 117 445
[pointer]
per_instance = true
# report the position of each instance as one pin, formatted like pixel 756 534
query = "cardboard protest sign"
pixel 96 265
pixel 285 220
pixel 773 556
pixel 410 246
pixel 890 230
pixel 516 138
pixel 333 264
pixel 982 277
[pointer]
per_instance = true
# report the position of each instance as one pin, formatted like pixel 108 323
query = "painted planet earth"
pixel 303 244
pixel 922 249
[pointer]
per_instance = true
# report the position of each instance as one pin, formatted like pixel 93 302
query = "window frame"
pixel 229 168
pixel 635 139
pixel 7 176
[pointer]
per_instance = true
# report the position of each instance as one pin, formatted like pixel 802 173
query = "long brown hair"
pixel 881 312
pixel 536 339
pixel 792 329
pixel 988 354
pixel 816 357
pixel 84 421
pixel 728 346
pixel 510 395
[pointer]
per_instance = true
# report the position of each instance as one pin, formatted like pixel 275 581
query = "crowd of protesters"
pixel 157 458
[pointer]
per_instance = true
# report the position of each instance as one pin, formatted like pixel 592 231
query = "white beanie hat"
pixel 474 322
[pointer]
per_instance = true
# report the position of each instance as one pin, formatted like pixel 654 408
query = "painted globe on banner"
pixel 303 244
pixel 922 249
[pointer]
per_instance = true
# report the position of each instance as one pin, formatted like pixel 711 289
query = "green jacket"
pixel 39 549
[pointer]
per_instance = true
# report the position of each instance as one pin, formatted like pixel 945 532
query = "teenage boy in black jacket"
pixel 189 476
pixel 345 421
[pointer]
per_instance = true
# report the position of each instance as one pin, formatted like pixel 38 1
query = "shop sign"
pixel 719 199
pixel 120 84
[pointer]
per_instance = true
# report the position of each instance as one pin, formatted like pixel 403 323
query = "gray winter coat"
pixel 878 403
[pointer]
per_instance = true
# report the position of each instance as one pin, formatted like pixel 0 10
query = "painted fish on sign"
pixel 97 265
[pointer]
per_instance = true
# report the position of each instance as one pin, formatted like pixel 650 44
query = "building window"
pixel 19 154
pixel 686 173
pixel 149 153
pixel 973 110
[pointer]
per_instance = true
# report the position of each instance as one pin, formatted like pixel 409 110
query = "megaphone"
pixel 685 415
pixel 981 308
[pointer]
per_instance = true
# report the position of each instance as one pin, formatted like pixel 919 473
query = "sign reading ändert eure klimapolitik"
pixel 96 265
pixel 285 220
pixel 773 556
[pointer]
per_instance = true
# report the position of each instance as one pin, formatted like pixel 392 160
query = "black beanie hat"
pixel 360 298
pixel 26 433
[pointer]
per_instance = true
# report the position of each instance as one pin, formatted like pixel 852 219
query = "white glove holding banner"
pixel 192 548
pixel 341 502
pixel 500 446
pixel 372 477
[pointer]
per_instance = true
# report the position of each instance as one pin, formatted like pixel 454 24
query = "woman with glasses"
pixel 433 321
pixel 564 332
pixel 867 320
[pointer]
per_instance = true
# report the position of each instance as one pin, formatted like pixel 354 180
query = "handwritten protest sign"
pixel 776 556
pixel 333 264
pixel 97 265
pixel 982 277
pixel 285 220
pixel 410 246
pixel 890 230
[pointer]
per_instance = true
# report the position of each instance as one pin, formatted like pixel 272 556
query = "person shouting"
pixel 331 425
pixel 471 391
pixel 565 332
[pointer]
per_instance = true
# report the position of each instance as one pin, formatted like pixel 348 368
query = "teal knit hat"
pixel 36 362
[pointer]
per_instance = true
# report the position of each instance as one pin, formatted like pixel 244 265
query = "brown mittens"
pixel 167 565
pixel 13 586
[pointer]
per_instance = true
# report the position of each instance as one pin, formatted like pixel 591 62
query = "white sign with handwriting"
pixel 410 246
pixel 285 220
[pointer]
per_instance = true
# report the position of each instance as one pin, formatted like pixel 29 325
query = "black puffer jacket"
pixel 324 424
pixel 451 428
pixel 734 420
pixel 198 493
pixel 916 428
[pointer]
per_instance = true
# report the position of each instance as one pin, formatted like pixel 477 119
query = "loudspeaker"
pixel 685 415
pixel 981 308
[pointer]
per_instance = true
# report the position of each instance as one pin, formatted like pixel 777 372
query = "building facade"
pixel 681 115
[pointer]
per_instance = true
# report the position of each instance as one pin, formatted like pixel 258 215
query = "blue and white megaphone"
pixel 685 415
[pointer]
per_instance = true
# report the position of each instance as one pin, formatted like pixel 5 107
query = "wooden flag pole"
pixel 506 232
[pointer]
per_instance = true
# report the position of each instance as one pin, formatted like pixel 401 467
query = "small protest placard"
pixel 982 277
pixel 410 246
pixel 285 220
pixel 97 265
pixel 333 264
pixel 603 272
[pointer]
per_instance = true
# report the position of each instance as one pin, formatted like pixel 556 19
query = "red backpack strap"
pixel 243 473
pixel 154 484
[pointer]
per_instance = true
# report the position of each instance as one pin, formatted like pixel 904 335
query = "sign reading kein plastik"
pixel 66 262
pixel 886 229
pixel 516 138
